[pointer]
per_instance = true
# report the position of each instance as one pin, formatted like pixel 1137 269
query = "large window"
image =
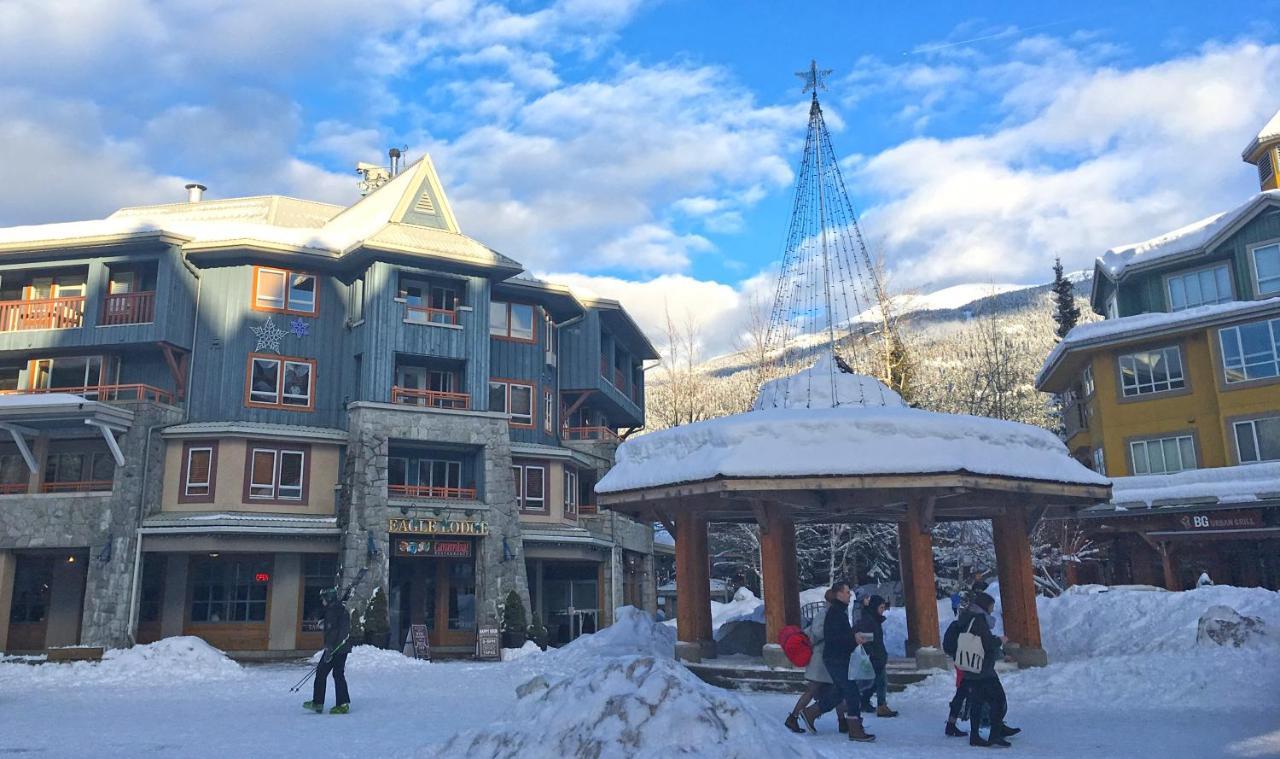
pixel 288 292
pixel 199 462
pixel 426 477
pixel 512 398
pixel 1163 456
pixel 570 491
pixel 1266 269
pixel 1251 351
pixel 548 411
pixel 1199 288
pixel 531 486
pixel 1258 440
pixel 511 321
pixel 319 571
pixel 230 590
pixel 281 382
pixel 1087 381
pixel 78 471
pixel 1154 371
pixel 1099 461
pixel 277 474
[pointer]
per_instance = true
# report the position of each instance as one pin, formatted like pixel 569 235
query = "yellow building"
pixel 1176 396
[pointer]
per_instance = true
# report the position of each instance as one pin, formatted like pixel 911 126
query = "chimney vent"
pixel 195 192
pixel 394 154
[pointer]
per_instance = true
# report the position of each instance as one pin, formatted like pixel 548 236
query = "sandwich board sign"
pixel 421 643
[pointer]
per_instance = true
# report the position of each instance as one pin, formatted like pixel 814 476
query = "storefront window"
pixel 462 595
pixel 230 590
pixel 318 572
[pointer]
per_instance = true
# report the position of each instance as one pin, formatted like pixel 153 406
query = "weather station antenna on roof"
pixel 827 282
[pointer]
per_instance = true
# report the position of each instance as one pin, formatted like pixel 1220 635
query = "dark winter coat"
pixel 871 623
pixel 837 640
pixel 990 642
pixel 337 628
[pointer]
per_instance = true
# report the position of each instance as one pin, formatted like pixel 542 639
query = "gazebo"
pixel 855 454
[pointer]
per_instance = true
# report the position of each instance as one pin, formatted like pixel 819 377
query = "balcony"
pixel 128 308
pixel 590 433
pixel 432 492
pixel 44 313
pixel 82 486
pixel 430 398
pixel 106 393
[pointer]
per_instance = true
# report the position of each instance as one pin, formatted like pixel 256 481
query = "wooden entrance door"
pixel 442 596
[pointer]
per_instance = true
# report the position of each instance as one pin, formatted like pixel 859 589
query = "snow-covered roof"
pixel 1230 484
pixel 1269 132
pixel 1192 238
pixel 825 385
pixel 1141 325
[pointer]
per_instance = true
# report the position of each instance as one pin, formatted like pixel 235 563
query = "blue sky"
pixel 644 150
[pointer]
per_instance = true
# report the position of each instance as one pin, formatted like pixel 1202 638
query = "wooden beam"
pixel 693 588
pixel 762 516
pixel 915 548
pixel 1017 581
pixel 177 367
pixel 779 570
pixel 582 397
pixel 926 514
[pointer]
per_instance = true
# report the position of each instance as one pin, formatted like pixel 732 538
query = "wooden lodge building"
pixel 209 409
pixel 1176 396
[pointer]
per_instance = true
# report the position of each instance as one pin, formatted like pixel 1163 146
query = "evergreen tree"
pixel 1065 311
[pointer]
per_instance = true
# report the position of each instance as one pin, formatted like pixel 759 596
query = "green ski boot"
pixel 313 706
pixel 341 709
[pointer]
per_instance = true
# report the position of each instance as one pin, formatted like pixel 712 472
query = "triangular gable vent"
pixel 425 204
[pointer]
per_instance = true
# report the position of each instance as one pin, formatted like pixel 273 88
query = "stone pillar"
pixel 915 548
pixel 1017 588
pixel 693 590
pixel 8 563
pixel 173 614
pixel 781 579
pixel 286 596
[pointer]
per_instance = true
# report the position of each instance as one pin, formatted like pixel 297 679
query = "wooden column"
pixel 915 551
pixel 1017 586
pixel 1072 572
pixel 693 588
pixel 1169 564
pixel 781 577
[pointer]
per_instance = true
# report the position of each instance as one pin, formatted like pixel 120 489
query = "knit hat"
pixel 985 601
pixel 874 602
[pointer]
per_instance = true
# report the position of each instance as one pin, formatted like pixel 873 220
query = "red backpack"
pixel 796 645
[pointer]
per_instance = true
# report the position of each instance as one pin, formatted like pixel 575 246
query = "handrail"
pixel 428 491
pixel 11 488
pixel 42 313
pixel 427 315
pixel 433 398
pixel 79 486
pixel 129 308
pixel 129 392
pixel 590 433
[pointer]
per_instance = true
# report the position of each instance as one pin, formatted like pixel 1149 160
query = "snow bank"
pixel 167 661
pixel 745 607
pixel 633 633
pixel 825 385
pixel 373 659
pixel 1228 484
pixel 529 647
pixel 636 707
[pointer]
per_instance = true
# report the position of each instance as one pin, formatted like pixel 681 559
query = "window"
pixel 1163 456
pixel 284 291
pixel 198 467
pixel 1199 288
pixel 513 398
pixel 531 486
pixel 548 412
pixel 570 491
pixel 355 300
pixel 78 471
pixel 1087 381
pixel 276 474
pixel 319 571
pixel 281 382
pixel 1099 461
pixel 230 590
pixel 426 478
pixel 549 328
pixel 1258 440
pixel 511 321
pixel 1154 371
pixel 1251 351
pixel 1266 269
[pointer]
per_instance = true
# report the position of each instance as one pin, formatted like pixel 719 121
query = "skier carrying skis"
pixel 337 644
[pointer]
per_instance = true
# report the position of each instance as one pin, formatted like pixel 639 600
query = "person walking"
pixel 818 682
pixel 333 659
pixel 871 625
pixel 983 687
pixel 837 647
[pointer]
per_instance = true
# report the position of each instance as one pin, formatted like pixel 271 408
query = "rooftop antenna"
pixel 394 154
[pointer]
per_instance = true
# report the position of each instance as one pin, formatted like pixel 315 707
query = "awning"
pixel 25 416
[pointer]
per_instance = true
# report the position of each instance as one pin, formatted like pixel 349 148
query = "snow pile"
pixel 639 707
pixel 167 661
pixel 364 658
pixel 633 633
pixel 797 442
pixel 825 385
pixel 529 647
pixel 1224 626
pixel 745 607
pixel 1228 484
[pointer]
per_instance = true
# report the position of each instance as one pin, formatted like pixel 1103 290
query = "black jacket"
pixel 872 623
pixel 337 628
pixel 990 643
pixel 837 639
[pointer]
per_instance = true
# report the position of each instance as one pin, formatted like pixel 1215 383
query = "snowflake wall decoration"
pixel 268 335
pixel 299 328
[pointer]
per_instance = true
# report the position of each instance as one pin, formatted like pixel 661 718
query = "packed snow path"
pixel 1168 698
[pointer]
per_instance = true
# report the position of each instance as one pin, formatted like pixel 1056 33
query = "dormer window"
pixel 1266 169
pixel 1199 288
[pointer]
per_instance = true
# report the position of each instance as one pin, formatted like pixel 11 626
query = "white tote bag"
pixel 969 651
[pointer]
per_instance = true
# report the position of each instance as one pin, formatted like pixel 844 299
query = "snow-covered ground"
pixel 1127 680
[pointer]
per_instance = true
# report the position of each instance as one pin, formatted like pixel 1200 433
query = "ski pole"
pixel 304 680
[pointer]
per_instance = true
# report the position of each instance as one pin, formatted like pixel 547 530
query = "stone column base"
pixel 695 651
pixel 928 657
pixel 776 658
pixel 1025 656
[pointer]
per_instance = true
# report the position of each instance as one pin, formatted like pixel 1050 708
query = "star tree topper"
pixel 814 79
pixel 268 335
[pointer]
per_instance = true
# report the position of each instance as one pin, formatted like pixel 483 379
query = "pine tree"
pixel 1065 311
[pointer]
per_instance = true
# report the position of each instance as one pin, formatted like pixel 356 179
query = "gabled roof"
pixel 558 300
pixel 1268 133
pixel 620 323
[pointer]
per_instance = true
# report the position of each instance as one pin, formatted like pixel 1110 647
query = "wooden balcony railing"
pixel 134 392
pixel 81 486
pixel 427 491
pixel 431 398
pixel 425 315
pixel 12 488
pixel 590 433
pixel 129 308
pixel 45 313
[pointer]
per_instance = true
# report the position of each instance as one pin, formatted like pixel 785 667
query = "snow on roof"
pixel 39 400
pixel 1228 484
pixel 1269 132
pixel 796 442
pixel 1187 239
pixel 825 385
pixel 1125 327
